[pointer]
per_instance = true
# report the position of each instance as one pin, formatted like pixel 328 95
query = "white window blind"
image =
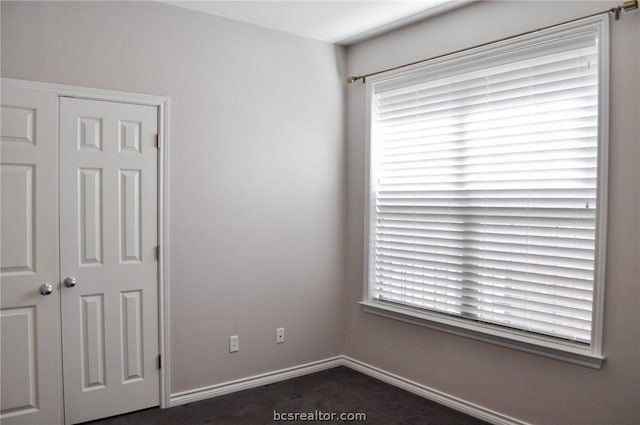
pixel 484 186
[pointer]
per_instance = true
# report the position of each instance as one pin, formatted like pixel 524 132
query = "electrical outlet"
pixel 280 336
pixel 234 344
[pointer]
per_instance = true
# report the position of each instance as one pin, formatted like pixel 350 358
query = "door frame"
pixel 162 103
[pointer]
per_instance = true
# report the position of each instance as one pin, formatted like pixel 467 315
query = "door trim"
pixel 163 103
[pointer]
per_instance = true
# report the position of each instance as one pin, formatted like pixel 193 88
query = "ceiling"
pixel 340 22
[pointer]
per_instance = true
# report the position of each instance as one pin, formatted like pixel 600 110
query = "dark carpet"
pixel 339 390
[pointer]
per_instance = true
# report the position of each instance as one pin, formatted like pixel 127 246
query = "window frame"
pixel 586 355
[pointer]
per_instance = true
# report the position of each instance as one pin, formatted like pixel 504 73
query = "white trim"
pixel 597 318
pixel 89 92
pixel 162 103
pixel 254 381
pixel 590 356
pixel 405 384
pixel 163 266
pixel 369 201
pixel 539 345
pixel 432 394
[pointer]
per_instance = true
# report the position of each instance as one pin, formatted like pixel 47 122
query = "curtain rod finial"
pixel 351 79
pixel 627 6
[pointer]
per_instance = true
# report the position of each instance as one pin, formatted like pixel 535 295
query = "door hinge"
pixel 158 253
pixel 158 141
pixel 159 361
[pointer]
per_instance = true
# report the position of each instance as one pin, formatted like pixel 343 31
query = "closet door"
pixel 108 239
pixel 29 290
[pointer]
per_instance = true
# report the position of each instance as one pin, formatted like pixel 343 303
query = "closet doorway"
pixel 80 257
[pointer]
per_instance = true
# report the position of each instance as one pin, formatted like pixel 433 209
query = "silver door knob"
pixel 70 282
pixel 46 289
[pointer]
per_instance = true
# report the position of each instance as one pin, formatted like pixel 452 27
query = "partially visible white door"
pixel 108 239
pixel 30 313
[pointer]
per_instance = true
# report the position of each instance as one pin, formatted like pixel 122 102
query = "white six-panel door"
pixel 30 321
pixel 108 239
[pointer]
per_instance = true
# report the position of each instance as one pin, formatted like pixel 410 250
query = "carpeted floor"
pixel 339 390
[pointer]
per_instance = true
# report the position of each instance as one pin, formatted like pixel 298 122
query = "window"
pixel 486 206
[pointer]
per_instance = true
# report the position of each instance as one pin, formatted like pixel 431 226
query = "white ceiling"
pixel 341 22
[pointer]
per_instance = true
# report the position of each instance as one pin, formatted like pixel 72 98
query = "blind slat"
pixel 549 324
pixel 560 96
pixel 521 289
pixel 484 187
pixel 505 312
pixel 551 281
pixel 538 303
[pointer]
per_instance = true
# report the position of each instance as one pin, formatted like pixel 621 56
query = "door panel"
pixel 30 322
pixel 19 219
pixel 19 359
pixel 108 198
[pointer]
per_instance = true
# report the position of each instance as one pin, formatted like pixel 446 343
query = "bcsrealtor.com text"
pixel 318 415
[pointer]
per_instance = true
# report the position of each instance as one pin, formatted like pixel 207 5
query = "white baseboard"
pixel 432 394
pixel 440 397
pixel 253 381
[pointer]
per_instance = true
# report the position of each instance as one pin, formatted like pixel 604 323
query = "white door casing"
pixel 108 239
pixel 30 322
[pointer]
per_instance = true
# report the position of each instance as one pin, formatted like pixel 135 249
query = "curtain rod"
pixel 626 7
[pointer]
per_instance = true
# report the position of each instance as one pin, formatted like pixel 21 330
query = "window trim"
pixel 586 355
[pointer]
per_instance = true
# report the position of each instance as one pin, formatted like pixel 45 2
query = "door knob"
pixel 46 289
pixel 70 282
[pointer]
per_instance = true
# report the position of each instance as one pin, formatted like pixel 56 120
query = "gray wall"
pixel 258 200
pixel 525 386
pixel 256 169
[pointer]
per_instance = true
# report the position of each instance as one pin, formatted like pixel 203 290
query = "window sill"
pixel 503 337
